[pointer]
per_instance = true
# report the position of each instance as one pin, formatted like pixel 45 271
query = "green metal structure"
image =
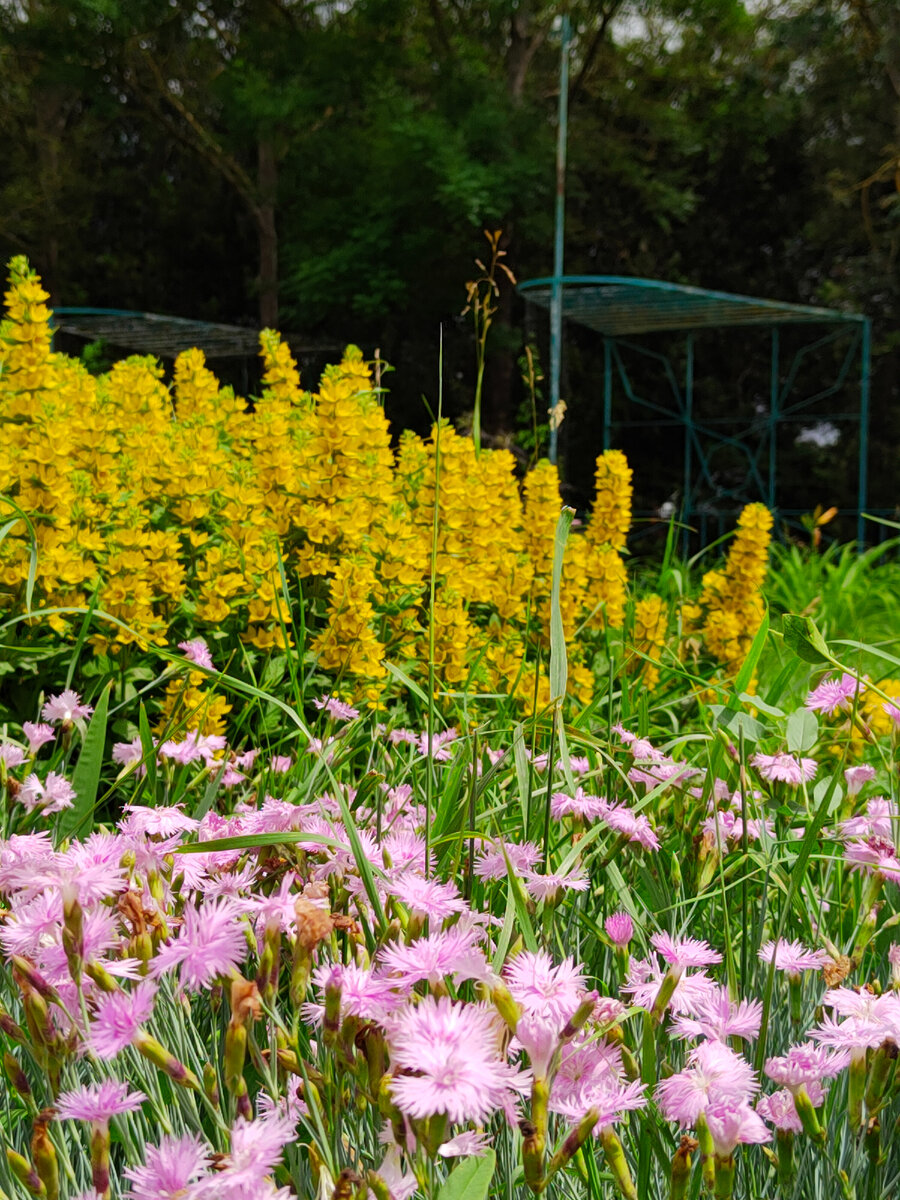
pixel 620 308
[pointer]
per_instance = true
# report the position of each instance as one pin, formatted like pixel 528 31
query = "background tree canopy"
pixel 329 168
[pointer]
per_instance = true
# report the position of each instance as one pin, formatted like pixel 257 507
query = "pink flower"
pixel 210 943
pixel 364 993
pixel 53 795
pixel 792 957
pixel 65 707
pixel 785 768
pixel 37 735
pixel 713 1074
pixel 893 711
pixel 97 1102
pixel 491 864
pixel 684 952
pixel 194 747
pixel 716 1017
pixel 547 886
pixel 11 755
pixel 127 753
pixel 834 695
pixel 447 952
pixel 734 1123
pixel 610 1096
pixel 856 777
pixel 280 764
pixel 163 822
pixel 876 822
pixel 336 708
pixel 452 1054
pixel 540 987
pixel 427 897
pixel 197 651
pixel 779 1108
pixel 869 1020
pixel 118 1017
pixel 803 1065
pixel 256 1149
pixel 634 826
pixel 465 1145
pixel 438 749
pixel 874 854
pixel 645 979
pixel 580 805
pixel 168 1169
pixel 619 928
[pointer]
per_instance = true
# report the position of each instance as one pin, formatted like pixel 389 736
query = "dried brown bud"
pixel 245 1000
pixel 314 924
pixel 836 972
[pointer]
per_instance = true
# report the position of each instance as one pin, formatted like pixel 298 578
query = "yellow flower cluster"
pixel 730 608
pixel 651 620
pixel 183 509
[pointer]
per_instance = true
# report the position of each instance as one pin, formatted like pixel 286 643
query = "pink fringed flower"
pixel 65 707
pixel 549 885
pixel 196 651
pixel 97 1102
pixel 337 709
pixel 805 1064
pixel 732 1124
pixel 168 1169
pixel 540 987
pixel 714 1074
pixel 491 864
pixel 452 1054
pixel 256 1149
pixel 37 735
pixel 680 953
pixel 834 695
pixel 792 957
pixel 11 755
pixel 118 1017
pixel 785 768
pixel 427 897
pixel 210 943
pixel 856 777
pixel 588 808
pixel 619 928
pixel 452 952
pixel 716 1017
pixel 53 795
pixel 779 1108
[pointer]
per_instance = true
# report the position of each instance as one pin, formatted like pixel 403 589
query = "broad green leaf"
pixel 471 1179
pixel 755 702
pixel 86 776
pixel 559 671
pixel 802 636
pixel 802 731
pixel 737 723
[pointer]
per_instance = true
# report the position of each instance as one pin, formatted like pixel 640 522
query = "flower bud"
pixel 25 1173
pixel 681 1167
pixel 43 1152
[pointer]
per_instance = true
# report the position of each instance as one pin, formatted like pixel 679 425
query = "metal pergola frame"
pixel 620 308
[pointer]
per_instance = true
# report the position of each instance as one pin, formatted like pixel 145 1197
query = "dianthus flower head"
pixel 210 943
pixel 427 897
pixel 37 735
pixel 491 864
pixel 337 709
pixel 834 695
pixel 874 854
pixel 856 777
pixel 256 1149
pixel 168 1169
pixel 785 768
pixel 680 953
pixel 52 796
pixel 716 1017
pixel 619 928
pixel 97 1102
pixel 548 885
pixel 65 707
pixel 714 1074
pixel 634 826
pixel 780 1110
pixel 450 952
pixel 446 1059
pixel 805 1064
pixel 733 1123
pixel 588 808
pixel 197 651
pixel 118 1017
pixel 364 993
pixel 792 957
pixel 11 754
pixel 538 986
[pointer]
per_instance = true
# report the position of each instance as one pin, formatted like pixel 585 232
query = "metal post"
pixel 864 380
pixel 774 403
pixel 556 288
pixel 607 393
pixel 688 439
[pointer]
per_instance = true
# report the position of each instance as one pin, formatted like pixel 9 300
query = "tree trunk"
pixel 268 235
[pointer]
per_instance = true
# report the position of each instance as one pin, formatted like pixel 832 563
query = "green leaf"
pixel 407 682
pixel 86 776
pixel 755 702
pixel 737 723
pixel 148 750
pixel 802 636
pixel 802 730
pixel 471 1180
pixel 745 674
pixel 559 670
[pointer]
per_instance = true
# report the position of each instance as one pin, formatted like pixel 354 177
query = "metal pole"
pixel 774 400
pixel 556 288
pixel 864 380
pixel 688 436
